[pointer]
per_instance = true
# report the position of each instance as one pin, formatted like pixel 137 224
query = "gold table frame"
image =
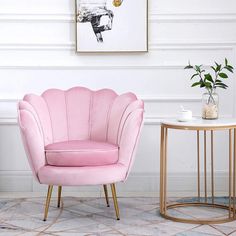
pixel 164 206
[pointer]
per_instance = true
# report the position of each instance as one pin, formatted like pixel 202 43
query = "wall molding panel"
pixel 8 117
pixel 29 18
pixel 193 18
pixel 70 46
pixel 153 17
pixel 91 67
pixel 138 184
pixel 37 46
pixel 158 99
pixel 145 98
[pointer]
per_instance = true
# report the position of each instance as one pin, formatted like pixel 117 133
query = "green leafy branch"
pixel 209 81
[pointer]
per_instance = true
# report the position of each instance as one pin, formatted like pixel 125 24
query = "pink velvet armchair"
pixel 80 137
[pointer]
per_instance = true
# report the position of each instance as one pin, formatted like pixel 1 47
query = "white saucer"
pixel 186 120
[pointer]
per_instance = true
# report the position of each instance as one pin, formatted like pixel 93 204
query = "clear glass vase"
pixel 210 105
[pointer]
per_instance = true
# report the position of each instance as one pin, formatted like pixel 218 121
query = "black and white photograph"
pixel 111 26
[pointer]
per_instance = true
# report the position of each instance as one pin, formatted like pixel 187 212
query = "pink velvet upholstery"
pixel 79 136
pixel 76 176
pixel 81 153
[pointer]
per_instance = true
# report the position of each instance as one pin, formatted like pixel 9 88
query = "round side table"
pixel 204 126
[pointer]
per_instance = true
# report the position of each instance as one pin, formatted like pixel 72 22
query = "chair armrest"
pixel 129 137
pixel 32 136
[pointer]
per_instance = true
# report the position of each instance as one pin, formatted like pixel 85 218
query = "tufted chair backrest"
pixel 81 114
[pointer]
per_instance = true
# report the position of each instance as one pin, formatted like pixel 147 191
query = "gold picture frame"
pixel 80 48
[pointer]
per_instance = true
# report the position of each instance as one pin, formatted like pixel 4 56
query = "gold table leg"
pixel 212 168
pixel 161 170
pixel 205 166
pixel 232 181
pixel 234 174
pixel 165 169
pixel 230 171
pixel 198 167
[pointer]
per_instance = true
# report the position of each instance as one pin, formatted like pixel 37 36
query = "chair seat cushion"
pixel 81 176
pixel 79 153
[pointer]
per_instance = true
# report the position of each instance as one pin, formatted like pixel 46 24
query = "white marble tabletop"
pixel 197 122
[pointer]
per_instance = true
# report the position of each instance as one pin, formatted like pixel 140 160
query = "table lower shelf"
pixel 224 215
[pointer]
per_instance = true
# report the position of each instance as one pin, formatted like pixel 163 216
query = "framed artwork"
pixel 111 25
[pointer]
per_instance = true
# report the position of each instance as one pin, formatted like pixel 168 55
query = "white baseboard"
pixel 21 183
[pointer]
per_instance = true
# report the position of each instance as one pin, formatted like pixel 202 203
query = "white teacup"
pixel 185 115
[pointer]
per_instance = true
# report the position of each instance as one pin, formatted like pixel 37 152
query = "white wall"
pixel 37 51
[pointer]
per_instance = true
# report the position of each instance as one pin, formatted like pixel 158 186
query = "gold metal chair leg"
pixel 59 196
pixel 113 190
pixel 50 187
pixel 106 195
